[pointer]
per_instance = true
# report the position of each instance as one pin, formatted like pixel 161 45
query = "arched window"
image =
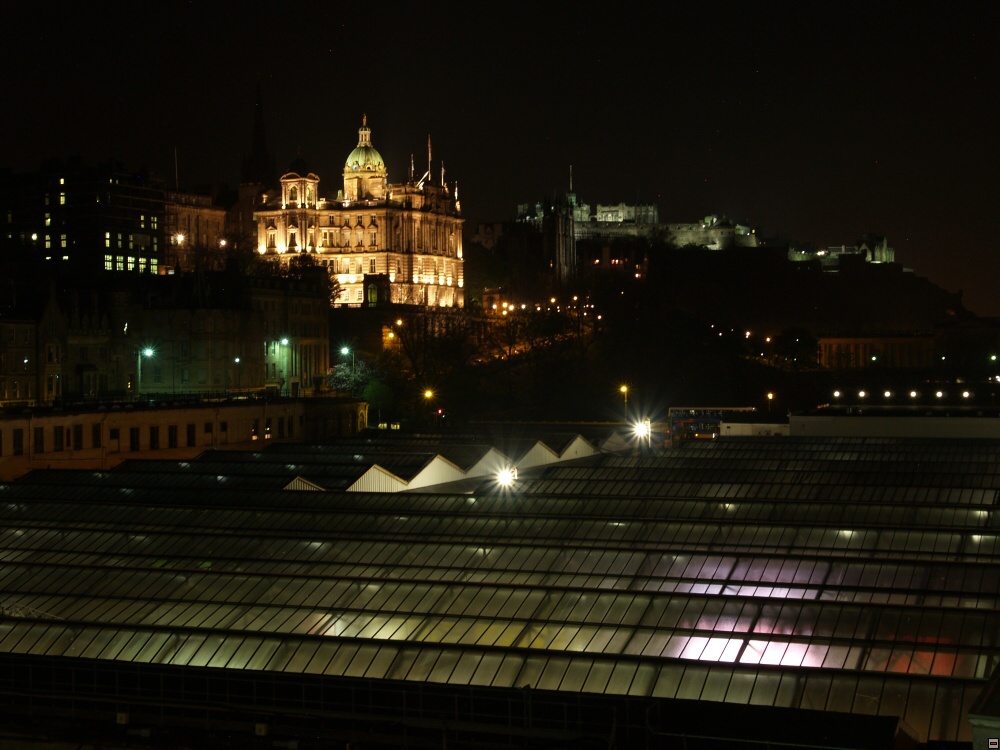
pixel 293 194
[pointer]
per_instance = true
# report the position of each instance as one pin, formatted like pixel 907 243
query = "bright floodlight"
pixel 344 350
pixel 147 352
pixel 641 429
pixel 506 476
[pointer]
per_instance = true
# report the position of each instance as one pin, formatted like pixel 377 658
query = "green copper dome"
pixel 365 158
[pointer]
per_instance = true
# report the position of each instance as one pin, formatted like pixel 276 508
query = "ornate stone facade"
pixel 382 242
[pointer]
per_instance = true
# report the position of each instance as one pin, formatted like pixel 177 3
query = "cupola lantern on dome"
pixel 364 171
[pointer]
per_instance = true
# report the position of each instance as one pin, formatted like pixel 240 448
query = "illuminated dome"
pixel 365 158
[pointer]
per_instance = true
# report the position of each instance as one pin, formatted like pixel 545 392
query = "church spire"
pixel 258 166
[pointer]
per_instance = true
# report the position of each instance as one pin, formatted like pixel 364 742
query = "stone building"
pixel 196 232
pixel 381 241
pixel 165 337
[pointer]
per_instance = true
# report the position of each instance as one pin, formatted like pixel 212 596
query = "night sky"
pixel 816 122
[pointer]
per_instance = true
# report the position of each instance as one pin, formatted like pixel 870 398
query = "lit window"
pixel 131 263
pixel 48 242
pixel 107 239
pixel 119 263
pixel 48 220
pixel 153 265
pixel 62 199
pixel 62 240
pixel 107 263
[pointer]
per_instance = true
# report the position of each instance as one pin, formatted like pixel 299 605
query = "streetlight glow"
pixel 506 476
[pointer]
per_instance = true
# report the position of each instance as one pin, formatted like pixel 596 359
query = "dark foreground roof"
pixel 857 578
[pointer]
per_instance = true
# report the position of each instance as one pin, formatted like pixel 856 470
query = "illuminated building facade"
pixel 382 242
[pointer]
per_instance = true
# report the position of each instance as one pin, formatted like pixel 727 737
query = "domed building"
pixel 383 242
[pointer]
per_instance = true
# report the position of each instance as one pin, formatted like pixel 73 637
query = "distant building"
pixel 573 239
pixel 104 218
pixel 870 249
pixel 87 219
pixel 196 232
pixel 192 336
pixel 102 439
pixel 877 351
pixel 383 242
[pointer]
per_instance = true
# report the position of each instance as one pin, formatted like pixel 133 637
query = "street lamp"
pixel 770 398
pixel 624 391
pixel 345 351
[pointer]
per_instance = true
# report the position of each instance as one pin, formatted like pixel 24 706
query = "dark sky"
pixel 818 122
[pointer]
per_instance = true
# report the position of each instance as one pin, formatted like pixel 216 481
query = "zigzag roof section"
pixel 377 479
pixel 372 463
pixel 303 484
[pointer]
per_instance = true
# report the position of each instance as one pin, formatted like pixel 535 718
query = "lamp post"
pixel 345 351
pixel 239 374
pixel 148 353
pixel 624 391
pixel 428 396
pixel 770 398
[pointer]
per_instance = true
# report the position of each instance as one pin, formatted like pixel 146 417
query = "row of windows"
pixel 62 438
pixel 14 389
pixel 131 263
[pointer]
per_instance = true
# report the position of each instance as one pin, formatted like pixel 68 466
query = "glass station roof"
pixel 867 584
